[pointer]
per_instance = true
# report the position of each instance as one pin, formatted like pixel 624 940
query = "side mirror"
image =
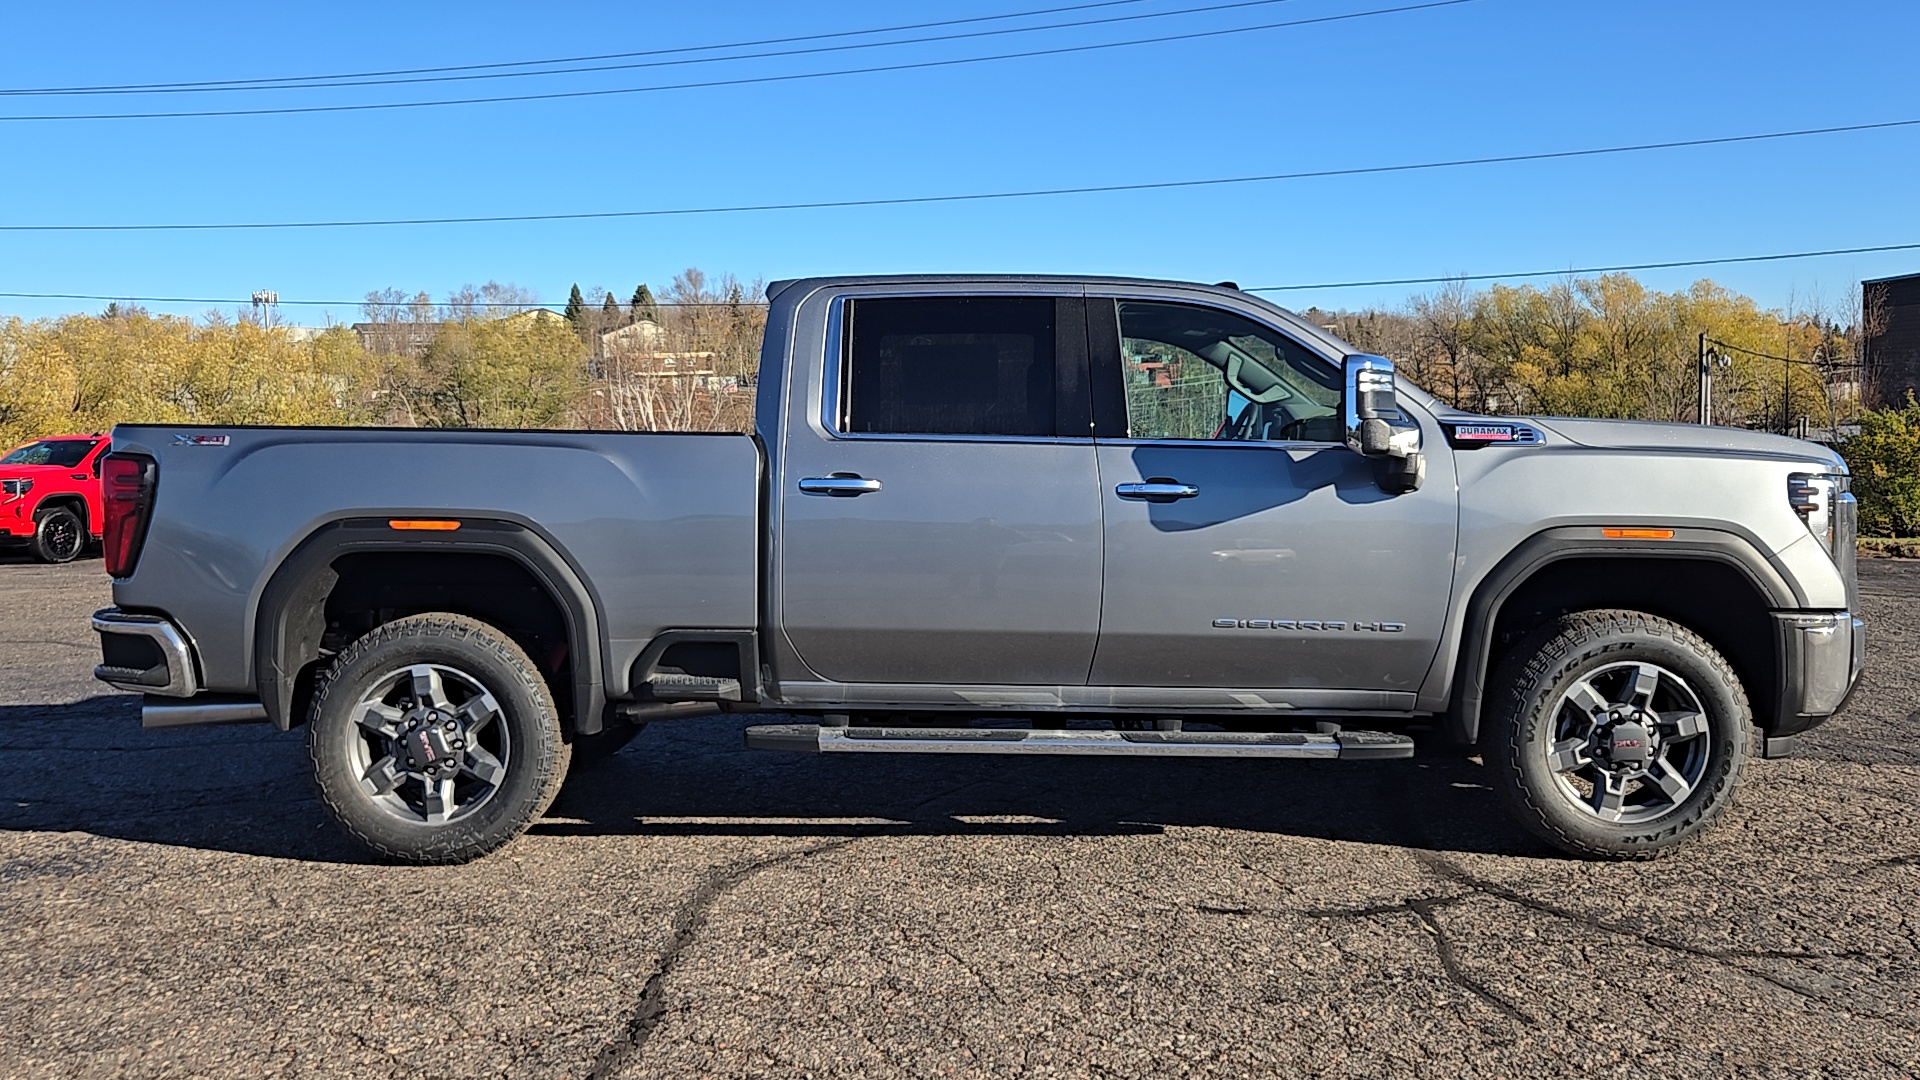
pixel 1376 428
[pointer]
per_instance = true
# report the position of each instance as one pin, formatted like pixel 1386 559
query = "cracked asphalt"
pixel 173 903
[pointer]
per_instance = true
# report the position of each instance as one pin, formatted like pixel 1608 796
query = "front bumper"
pixel 1819 655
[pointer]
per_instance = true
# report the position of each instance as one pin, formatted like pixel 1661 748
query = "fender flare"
pixel 291 616
pixel 1584 541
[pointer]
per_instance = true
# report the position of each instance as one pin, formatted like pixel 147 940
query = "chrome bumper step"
pixel 814 738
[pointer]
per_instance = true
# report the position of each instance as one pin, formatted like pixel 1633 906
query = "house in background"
pixel 1891 346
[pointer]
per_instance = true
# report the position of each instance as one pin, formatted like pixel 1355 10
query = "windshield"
pixel 65 453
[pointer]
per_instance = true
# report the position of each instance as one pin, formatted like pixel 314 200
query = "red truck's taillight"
pixel 126 483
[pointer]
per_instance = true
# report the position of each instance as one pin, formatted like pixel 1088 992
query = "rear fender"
pixel 292 614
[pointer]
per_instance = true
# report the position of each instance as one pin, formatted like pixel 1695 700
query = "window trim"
pixel 1105 357
pixel 838 355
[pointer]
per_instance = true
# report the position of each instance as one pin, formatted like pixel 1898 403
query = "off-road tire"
pixel 532 772
pixel 1525 699
pixel 58 535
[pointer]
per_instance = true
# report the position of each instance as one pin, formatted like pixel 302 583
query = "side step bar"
pixel 811 738
pixel 670 686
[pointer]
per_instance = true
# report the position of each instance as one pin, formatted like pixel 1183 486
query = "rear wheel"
pixel 435 740
pixel 58 535
pixel 1619 735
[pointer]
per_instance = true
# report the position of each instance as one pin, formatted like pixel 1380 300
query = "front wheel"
pixel 58 535
pixel 1617 734
pixel 434 740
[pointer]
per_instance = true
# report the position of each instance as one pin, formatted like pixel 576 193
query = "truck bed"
pixel 663 528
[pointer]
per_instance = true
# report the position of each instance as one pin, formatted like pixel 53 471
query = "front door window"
pixel 1195 373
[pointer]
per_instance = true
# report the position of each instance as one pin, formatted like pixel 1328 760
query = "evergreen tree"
pixel 576 306
pixel 609 314
pixel 642 305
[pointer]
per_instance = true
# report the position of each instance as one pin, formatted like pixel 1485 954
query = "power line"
pixel 743 81
pixel 1569 271
pixel 1779 359
pixel 363 302
pixel 26 91
pixel 916 200
pixel 350 82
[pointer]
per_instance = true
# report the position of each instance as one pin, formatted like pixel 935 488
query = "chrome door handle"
pixel 1157 489
pixel 838 485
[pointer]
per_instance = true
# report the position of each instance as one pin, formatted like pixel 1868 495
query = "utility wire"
pixel 1779 359
pixel 812 50
pixel 403 304
pixel 917 200
pixel 1568 271
pixel 30 91
pixel 744 81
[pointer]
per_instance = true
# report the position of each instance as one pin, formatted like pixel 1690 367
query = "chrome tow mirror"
pixel 1377 428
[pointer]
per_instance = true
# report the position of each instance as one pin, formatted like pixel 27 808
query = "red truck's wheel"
pixel 434 740
pixel 58 535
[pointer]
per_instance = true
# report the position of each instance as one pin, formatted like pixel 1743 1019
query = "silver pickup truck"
pixel 1001 515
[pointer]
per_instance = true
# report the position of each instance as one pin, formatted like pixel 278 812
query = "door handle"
pixel 843 486
pixel 1157 489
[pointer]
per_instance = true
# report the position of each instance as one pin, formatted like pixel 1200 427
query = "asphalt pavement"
pixel 174 903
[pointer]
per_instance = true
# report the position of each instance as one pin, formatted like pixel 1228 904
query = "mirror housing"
pixel 1377 428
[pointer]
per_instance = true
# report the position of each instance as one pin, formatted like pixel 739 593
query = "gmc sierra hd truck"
pixel 1001 515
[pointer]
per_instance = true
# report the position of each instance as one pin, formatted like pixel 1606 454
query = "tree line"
pixel 487 356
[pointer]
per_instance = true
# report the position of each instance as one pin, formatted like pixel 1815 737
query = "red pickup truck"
pixel 50 495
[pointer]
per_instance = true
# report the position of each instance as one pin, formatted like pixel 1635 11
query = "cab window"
pixel 1199 373
pixel 961 365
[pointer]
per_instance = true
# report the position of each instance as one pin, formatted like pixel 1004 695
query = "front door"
pixel 1246 546
pixel 940 517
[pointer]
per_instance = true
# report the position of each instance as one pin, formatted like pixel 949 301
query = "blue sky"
pixel 1488 77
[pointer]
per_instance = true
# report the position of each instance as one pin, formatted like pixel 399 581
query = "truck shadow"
pixel 90 768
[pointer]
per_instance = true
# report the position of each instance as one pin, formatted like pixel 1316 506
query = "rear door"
pixel 939 504
pixel 1246 546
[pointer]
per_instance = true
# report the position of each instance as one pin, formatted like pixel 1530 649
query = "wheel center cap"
pixel 433 743
pixel 1627 743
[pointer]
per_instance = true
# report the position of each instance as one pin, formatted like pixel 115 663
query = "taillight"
pixel 127 483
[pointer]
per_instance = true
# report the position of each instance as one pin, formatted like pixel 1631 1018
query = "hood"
pixel 1687 438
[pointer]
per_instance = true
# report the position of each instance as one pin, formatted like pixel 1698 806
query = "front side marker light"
pixel 1637 534
pixel 423 526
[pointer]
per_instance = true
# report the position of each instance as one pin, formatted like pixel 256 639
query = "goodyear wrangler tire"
pixel 434 740
pixel 1618 734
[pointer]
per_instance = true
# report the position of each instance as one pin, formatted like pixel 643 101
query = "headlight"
pixel 1824 502
pixel 16 487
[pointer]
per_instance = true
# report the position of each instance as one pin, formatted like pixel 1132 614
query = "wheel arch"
pixel 291 620
pixel 67 500
pixel 1716 583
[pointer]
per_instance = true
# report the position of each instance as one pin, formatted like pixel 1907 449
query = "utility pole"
pixel 263 303
pixel 1706 384
pixel 1786 387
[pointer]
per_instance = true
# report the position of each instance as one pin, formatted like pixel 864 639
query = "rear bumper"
pixel 1820 655
pixel 145 654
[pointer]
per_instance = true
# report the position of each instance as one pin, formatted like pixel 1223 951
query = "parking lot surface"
pixel 174 903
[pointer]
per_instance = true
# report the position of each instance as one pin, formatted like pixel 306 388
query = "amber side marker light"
pixel 428 526
pixel 1637 534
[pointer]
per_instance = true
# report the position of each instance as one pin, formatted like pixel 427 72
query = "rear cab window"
pixel 980 366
